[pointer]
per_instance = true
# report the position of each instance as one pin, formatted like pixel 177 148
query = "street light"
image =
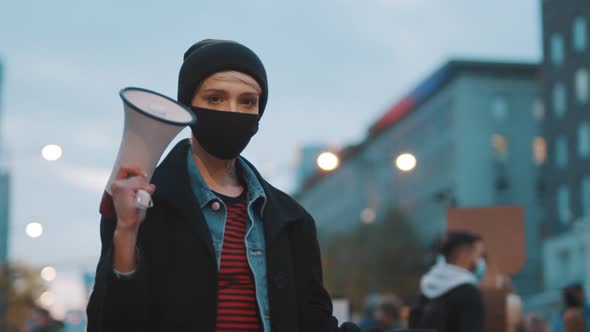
pixel 51 152
pixel 368 216
pixel 405 162
pixel 328 161
pixel 47 299
pixel 34 230
pixel 48 273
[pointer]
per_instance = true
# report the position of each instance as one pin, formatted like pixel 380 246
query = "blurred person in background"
pixel 533 323
pixel 573 321
pixel 369 308
pixel 576 314
pixel 450 299
pixel 388 314
pixel 40 320
pixel 221 248
pixel 514 313
pixel 435 249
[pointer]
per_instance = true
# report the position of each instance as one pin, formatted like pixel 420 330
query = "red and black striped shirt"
pixel 237 308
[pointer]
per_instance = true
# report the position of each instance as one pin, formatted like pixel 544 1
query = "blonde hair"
pixel 230 75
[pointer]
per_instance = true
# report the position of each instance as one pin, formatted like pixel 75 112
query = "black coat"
pixel 175 286
pixel 459 310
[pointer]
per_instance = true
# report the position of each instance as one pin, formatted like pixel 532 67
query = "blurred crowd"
pixel 455 297
pixel 40 320
pixel 459 293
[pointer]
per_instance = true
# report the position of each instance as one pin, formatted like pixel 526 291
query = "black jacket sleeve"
pixel 416 313
pixel 118 304
pixel 320 303
pixel 470 311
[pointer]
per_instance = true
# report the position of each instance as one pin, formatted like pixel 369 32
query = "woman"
pixel 221 250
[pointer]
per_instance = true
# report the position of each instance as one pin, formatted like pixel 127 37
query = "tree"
pixel 20 285
pixel 389 247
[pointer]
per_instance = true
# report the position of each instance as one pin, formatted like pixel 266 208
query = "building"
pixel 89 279
pixel 4 215
pixel 566 95
pixel 566 175
pixel 4 191
pixel 564 263
pixel 473 128
pixel 307 162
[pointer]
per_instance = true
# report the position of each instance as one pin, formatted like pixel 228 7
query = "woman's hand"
pixel 124 188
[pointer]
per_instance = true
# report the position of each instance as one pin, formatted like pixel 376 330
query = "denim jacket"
pixel 254 239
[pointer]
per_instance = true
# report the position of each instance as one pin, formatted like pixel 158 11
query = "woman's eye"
pixel 214 99
pixel 249 102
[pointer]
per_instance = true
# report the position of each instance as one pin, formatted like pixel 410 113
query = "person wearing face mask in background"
pixel 450 299
pixel 221 249
pixel 575 317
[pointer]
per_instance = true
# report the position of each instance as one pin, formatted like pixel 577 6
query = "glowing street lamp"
pixel 328 161
pixel 34 230
pixel 48 273
pixel 51 152
pixel 47 299
pixel 368 216
pixel 405 162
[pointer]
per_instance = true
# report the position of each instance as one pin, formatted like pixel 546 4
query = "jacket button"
pixel 215 206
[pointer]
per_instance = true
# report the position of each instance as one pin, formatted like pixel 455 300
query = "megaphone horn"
pixel 152 120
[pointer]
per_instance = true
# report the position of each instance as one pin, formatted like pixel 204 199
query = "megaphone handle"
pixel 143 201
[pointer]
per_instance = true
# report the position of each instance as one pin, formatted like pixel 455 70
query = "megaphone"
pixel 152 120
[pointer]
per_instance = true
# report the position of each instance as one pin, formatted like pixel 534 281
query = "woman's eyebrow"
pixel 250 94
pixel 214 90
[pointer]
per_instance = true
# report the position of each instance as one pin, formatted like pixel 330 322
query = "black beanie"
pixel 210 56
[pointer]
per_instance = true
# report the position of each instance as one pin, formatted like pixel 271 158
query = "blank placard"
pixel 502 230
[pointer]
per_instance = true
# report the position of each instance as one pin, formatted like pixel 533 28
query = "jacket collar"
pixel 205 195
pixel 173 187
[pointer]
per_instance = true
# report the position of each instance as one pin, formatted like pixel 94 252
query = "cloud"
pixel 407 5
pixel 85 178
pixel 422 31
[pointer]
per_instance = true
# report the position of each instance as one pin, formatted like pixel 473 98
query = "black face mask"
pixel 223 135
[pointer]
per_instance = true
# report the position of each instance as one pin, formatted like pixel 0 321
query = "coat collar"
pixel 173 187
pixel 204 195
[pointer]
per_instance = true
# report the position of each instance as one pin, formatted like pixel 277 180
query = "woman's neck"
pixel 219 175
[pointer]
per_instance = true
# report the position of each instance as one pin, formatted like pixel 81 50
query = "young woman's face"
pixel 229 91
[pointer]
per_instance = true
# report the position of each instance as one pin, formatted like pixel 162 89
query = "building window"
pixel 559 99
pixel 580 34
pixel 584 140
pixel 563 204
pixel 539 150
pixel 585 195
pixel 561 152
pixel 499 107
pixel 539 109
pixel 557 49
pixel 500 146
pixel 565 264
pixel 582 85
